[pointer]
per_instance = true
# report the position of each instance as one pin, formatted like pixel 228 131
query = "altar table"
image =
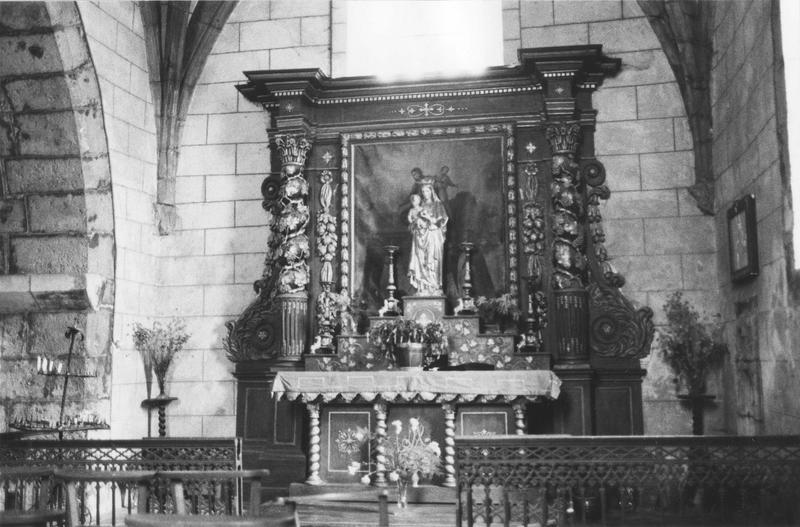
pixel 446 388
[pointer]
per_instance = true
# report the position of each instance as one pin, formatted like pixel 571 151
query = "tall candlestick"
pixel 466 304
pixel 390 304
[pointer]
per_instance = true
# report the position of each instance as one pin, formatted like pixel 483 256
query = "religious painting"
pixel 427 195
pixel 742 239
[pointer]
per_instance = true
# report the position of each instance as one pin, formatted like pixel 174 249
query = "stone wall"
pixel 657 237
pixel 56 221
pixel 762 314
pixel 114 33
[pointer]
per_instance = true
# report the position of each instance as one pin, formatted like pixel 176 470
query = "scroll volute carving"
pixel 617 330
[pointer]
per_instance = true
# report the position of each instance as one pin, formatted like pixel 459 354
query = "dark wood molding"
pixel 178 43
pixel 685 31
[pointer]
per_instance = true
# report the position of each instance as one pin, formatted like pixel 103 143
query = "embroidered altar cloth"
pixel 408 386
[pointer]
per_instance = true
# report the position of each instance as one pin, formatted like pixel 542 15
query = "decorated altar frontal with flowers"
pixel 349 411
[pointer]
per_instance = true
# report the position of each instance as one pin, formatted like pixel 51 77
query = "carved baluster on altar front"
pixel 294 250
pixel 380 444
pixel 519 415
pixel 313 445
pixel 569 246
pixel 449 445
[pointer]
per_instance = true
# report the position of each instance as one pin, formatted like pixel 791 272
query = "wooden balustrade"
pixel 630 480
pixel 100 482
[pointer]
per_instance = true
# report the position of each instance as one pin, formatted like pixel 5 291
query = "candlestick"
pixel 466 304
pixel 391 307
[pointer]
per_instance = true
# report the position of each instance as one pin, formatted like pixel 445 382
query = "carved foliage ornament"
pixel 292 215
pixel 569 260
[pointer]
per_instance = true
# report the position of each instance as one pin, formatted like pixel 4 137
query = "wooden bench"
pixel 33 486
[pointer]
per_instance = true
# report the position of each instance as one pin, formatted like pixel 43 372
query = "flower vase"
pixel 415 479
pixel 402 495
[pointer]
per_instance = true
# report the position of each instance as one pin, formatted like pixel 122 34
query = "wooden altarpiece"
pixel 512 152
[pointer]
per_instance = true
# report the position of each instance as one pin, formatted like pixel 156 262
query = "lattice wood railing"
pixel 104 473
pixel 676 480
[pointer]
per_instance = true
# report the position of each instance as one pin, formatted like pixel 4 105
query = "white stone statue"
pixel 428 224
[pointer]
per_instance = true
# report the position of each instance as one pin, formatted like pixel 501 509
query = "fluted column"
pixel 449 445
pixel 380 444
pixel 313 445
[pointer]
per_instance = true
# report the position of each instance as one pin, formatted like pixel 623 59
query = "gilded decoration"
pixel 569 260
pixel 293 215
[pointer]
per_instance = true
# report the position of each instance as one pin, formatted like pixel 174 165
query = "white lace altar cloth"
pixel 408 386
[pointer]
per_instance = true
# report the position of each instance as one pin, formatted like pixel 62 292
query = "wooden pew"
pixel 32 486
pixel 72 478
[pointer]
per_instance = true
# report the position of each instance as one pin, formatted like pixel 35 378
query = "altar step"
pixel 348 492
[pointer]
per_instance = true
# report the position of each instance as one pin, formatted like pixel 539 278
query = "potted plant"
pixel 498 313
pixel 692 347
pixel 408 456
pixel 158 345
pixel 413 345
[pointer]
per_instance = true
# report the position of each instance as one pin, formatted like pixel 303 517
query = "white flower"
pixel 393 476
pixel 398 426
pixel 365 479
pixel 353 467
pixel 433 445
pixel 414 422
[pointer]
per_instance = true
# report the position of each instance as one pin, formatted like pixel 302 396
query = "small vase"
pixel 402 495
pixel 410 355
pixel 415 479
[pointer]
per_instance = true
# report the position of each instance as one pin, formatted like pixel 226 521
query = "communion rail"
pixel 108 476
pixel 630 480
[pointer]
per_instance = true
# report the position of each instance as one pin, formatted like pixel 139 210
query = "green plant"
pixel 158 345
pixel 692 346
pixel 387 336
pixel 502 309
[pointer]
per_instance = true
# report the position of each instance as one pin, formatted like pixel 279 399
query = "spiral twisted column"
pixel 380 444
pixel 449 445
pixel 313 445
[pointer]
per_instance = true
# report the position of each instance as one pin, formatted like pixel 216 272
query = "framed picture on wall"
pixel 742 239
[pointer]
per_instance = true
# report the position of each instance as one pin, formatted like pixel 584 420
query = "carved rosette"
pixel 293 215
pixel 569 260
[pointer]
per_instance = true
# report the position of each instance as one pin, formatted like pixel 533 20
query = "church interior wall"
pixel 657 238
pixel 56 219
pixel 761 314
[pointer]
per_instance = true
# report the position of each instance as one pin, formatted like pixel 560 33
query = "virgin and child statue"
pixel 427 221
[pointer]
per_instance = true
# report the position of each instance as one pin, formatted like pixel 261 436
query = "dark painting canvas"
pixel 469 182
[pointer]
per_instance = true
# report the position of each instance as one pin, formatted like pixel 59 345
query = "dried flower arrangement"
pixel 158 345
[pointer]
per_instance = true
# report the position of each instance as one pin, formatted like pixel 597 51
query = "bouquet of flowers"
pixel 408 456
pixel 158 346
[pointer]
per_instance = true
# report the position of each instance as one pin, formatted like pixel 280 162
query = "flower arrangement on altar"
pixel 502 310
pixel 398 333
pixel 408 456
pixel 158 345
